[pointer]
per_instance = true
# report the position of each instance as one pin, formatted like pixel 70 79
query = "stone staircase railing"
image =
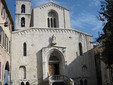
pixel 60 78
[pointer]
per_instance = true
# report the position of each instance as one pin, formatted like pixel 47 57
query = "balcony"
pixel 60 80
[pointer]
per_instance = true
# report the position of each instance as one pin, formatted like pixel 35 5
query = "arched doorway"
pixel 6 74
pixel 55 63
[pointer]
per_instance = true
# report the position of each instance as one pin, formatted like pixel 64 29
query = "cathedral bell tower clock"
pixel 22 14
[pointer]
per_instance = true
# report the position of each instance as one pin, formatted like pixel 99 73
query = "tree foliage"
pixel 106 16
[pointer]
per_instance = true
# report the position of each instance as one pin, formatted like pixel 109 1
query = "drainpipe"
pixel 10 57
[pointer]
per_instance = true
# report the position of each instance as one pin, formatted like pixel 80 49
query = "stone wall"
pixel 39 38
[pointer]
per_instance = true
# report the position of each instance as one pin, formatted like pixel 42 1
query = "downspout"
pixel 10 57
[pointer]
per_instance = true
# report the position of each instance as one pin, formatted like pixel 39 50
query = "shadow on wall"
pixel 83 69
pixel 39 67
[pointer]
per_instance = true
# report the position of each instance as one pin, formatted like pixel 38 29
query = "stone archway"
pixel 6 74
pixel 54 65
pixel 53 58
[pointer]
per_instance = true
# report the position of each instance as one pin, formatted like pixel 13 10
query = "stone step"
pixel 59 83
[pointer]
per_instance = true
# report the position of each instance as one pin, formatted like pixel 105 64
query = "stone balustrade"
pixel 60 78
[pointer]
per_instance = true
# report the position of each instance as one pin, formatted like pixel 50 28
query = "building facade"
pixel 6 27
pixel 45 50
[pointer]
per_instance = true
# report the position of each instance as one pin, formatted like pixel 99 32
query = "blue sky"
pixel 83 13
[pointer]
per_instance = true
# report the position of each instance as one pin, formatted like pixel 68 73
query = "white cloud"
pixel 38 2
pixel 84 20
pixel 94 2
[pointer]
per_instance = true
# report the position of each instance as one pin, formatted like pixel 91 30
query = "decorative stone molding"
pixel 53 5
pixel 48 30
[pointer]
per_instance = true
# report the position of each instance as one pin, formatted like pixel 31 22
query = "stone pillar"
pixel 44 64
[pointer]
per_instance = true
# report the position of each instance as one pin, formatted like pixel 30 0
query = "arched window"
pixel 24 49
pixel 48 22
pixel 1 34
pixel 22 83
pixel 85 82
pixel 22 22
pixel 80 49
pixel 51 22
pixel 27 83
pixel 52 19
pixel 84 70
pixel 23 8
pixel 81 82
pixel 22 72
pixel 54 22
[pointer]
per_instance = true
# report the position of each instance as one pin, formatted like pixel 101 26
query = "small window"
pixel 80 49
pixel 54 22
pixel 22 72
pixel 3 39
pixel 51 22
pixel 23 8
pixel 27 83
pixel 7 44
pixel 22 22
pixel 24 49
pixel 22 83
pixel 1 31
pixel 81 82
pixel 48 22
pixel 85 82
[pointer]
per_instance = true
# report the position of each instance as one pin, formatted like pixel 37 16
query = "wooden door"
pixel 51 69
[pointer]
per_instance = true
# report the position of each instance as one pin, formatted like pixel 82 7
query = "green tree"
pixel 106 16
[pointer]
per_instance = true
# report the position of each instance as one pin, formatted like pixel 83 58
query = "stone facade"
pixel 6 27
pixel 49 46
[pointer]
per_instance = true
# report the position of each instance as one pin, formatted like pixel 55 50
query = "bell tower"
pixel 22 14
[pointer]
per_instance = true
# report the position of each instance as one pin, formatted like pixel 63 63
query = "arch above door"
pixel 59 52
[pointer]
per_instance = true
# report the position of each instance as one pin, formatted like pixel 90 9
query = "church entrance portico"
pixel 53 60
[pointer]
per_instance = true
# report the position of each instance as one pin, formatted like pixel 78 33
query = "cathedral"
pixel 45 50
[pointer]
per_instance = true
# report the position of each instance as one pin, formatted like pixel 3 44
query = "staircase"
pixel 59 83
pixel 60 80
